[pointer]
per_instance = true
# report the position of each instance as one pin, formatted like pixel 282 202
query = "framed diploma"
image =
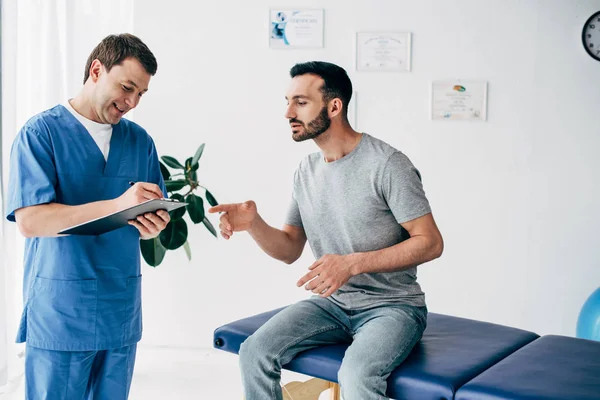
pixel 459 100
pixel 290 28
pixel 383 51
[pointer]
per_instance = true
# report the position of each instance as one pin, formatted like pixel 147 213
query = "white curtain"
pixel 45 45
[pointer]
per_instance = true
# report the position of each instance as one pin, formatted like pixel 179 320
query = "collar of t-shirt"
pixel 101 133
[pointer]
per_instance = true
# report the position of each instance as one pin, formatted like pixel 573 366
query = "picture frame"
pixel 383 51
pixel 296 28
pixel 458 99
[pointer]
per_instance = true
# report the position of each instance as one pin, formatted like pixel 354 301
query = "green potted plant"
pixel 181 185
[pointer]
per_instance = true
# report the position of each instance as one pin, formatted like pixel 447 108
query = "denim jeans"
pixel 380 339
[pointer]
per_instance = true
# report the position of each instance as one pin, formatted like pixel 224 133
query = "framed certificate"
pixel 383 51
pixel 290 28
pixel 459 100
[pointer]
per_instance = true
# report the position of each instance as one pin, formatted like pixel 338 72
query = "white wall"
pixel 515 197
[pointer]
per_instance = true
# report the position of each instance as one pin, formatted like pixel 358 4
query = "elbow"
pixel 25 227
pixel 25 222
pixel 438 247
pixel 294 251
pixel 290 260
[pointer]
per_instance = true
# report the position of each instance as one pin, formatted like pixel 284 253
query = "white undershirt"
pixel 101 133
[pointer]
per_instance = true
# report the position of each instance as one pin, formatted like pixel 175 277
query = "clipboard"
pixel 120 219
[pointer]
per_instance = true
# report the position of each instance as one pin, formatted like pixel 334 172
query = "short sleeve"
pixel 32 173
pixel 293 216
pixel 403 190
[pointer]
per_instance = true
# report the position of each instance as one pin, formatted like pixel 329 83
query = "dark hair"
pixel 336 82
pixel 113 49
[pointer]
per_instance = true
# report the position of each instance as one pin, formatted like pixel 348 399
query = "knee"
pixel 347 375
pixel 250 352
pixel 258 350
pixel 358 377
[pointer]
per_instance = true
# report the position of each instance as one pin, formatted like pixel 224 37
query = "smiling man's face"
pixel 118 90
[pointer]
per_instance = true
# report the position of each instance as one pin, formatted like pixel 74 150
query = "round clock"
pixel 591 36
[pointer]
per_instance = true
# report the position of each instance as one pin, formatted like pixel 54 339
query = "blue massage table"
pixel 457 358
pixel 549 368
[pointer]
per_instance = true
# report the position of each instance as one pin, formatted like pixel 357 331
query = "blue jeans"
pixel 78 375
pixel 381 338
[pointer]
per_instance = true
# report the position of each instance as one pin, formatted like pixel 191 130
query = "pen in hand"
pixel 131 183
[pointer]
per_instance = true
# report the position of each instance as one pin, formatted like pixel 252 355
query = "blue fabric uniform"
pixel 81 293
pixel 73 375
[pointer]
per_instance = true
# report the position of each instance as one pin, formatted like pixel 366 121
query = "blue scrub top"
pixel 80 293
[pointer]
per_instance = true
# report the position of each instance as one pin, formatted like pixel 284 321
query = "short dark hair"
pixel 336 84
pixel 113 49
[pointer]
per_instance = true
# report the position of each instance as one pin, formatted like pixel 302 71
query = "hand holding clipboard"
pixel 149 200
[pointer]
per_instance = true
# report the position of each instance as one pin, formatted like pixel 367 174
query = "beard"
pixel 316 127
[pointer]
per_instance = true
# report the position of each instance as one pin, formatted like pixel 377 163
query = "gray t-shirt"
pixel 356 204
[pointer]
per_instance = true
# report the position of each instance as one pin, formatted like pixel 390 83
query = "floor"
pixel 183 374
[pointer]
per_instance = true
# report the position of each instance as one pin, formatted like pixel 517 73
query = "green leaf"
pixel 172 162
pixel 211 199
pixel 198 154
pixel 189 166
pixel 195 208
pixel 180 212
pixel 164 171
pixel 152 251
pixel 209 226
pixel 174 235
pixel 175 185
pixel 188 251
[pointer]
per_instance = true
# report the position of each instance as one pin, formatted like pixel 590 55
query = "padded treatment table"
pixel 549 368
pixel 452 352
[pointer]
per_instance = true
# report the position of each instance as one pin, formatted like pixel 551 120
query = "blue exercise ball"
pixel 588 323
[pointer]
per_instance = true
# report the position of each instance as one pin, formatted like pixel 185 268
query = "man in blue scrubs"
pixel 82 294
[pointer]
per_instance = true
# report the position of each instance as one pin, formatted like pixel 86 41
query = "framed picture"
pixel 459 100
pixel 289 28
pixel 383 51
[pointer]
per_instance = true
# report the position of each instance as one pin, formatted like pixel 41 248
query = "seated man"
pixel 361 205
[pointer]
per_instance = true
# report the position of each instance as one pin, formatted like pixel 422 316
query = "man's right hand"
pixel 138 193
pixel 237 217
pixel 45 220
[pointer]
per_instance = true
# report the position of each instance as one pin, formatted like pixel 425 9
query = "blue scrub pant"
pixel 78 375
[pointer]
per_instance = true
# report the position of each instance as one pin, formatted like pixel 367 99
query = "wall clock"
pixel 591 36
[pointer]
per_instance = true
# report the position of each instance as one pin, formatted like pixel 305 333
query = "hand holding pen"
pixel 139 192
